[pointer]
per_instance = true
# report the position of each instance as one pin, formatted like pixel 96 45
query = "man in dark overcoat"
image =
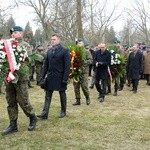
pixel 135 66
pixel 102 60
pixel 55 71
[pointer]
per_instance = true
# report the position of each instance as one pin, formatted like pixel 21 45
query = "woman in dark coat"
pixel 56 71
pixel 135 66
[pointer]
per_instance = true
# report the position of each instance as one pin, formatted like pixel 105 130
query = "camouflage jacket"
pixel 88 61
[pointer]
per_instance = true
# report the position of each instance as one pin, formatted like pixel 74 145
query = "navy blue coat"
pixel 56 68
pixel 135 65
pixel 105 59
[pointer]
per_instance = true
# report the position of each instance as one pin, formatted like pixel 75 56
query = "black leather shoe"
pixel 12 128
pixel 32 125
pixel 101 100
pixel 62 115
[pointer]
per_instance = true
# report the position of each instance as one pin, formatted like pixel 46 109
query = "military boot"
pixel 11 128
pixel 88 101
pixel 44 114
pixel 33 121
pixel 77 102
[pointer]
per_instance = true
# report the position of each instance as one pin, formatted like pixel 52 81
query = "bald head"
pixel 102 46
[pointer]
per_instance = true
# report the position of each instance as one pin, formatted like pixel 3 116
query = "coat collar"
pixel 56 49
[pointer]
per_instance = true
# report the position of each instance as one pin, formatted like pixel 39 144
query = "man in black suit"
pixel 56 71
pixel 102 60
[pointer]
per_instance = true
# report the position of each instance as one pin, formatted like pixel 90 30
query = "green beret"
pixel 16 28
pixel 117 42
pixel 79 40
pixel 87 44
pixel 39 45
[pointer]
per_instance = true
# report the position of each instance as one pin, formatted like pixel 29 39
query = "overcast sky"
pixel 22 15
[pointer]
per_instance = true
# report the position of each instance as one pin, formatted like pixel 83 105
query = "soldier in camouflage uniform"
pixel 39 64
pixel 31 65
pixel 18 93
pixel 84 79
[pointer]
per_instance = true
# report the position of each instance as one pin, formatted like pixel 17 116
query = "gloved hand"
pixel 99 64
pixel 42 83
pixel 65 82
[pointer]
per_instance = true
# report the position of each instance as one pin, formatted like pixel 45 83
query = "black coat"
pixel 135 65
pixel 105 59
pixel 56 68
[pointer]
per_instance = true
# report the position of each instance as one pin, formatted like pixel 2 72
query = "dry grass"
pixel 120 123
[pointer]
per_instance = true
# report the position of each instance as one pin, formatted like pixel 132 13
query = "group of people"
pixel 54 77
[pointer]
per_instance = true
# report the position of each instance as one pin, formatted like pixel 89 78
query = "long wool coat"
pixel 105 58
pixel 146 62
pixel 135 65
pixel 56 68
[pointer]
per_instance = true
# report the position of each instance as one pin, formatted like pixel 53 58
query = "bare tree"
pixel 6 20
pixel 46 11
pixel 101 16
pixel 141 19
pixel 79 19
pixel 66 26
pixel 128 35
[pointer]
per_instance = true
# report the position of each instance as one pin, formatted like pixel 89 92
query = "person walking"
pixel 83 83
pixel 102 60
pixel 147 65
pixel 39 64
pixel 17 93
pixel 55 72
pixel 135 66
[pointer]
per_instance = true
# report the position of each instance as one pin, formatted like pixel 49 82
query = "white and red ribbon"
pixel 11 59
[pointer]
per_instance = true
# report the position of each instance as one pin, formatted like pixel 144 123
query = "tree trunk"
pixel 79 19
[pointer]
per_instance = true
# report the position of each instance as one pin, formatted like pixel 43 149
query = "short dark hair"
pixel 55 34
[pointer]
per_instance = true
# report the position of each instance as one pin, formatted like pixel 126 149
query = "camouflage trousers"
pixel 38 72
pixel 18 94
pixel 83 84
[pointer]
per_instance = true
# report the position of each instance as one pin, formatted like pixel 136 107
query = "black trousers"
pixel 101 87
pixel 63 100
pixel 135 83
